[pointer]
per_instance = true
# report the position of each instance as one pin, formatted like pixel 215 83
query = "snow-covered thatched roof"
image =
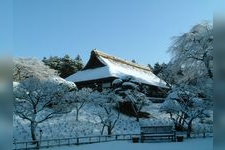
pixel 101 65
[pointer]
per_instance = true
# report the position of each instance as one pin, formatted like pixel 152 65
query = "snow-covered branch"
pixel 39 99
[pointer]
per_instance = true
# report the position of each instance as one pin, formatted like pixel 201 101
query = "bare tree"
pixel 107 100
pixel 138 101
pixel 184 107
pixel 37 100
pixel 78 99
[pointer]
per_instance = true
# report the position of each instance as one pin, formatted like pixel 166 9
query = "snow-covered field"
pixel 89 124
pixel 190 144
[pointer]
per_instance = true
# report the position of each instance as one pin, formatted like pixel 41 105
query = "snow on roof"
pixel 118 68
pixel 90 74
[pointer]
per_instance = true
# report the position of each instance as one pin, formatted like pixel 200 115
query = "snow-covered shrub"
pixel 117 83
pixel 30 67
pixel 129 85
pixel 133 99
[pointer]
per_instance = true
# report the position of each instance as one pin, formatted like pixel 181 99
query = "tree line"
pixel 65 66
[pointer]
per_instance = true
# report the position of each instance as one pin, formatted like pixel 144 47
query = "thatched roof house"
pixel 102 69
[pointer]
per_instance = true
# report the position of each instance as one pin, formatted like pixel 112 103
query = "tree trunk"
pixel 33 126
pixel 189 128
pixel 109 130
pixel 210 73
pixel 181 118
pixel 173 119
pixel 77 114
pixel 206 61
pixel 183 122
pixel 137 115
pixel 188 132
pixel 102 129
pixel 135 111
pixel 137 118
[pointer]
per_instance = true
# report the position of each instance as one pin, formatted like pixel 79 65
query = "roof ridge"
pixel 107 56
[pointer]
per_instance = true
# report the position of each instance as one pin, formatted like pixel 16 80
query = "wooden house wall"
pixel 95 84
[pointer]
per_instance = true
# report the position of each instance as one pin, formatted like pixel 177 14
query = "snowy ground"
pixel 88 124
pixel 190 144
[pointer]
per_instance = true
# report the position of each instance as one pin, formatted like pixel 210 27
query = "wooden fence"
pixel 88 140
pixel 71 141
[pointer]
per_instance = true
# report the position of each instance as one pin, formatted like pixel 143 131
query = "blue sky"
pixel 130 29
pixel 6 25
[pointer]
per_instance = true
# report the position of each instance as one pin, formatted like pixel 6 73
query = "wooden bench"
pixel 158 132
